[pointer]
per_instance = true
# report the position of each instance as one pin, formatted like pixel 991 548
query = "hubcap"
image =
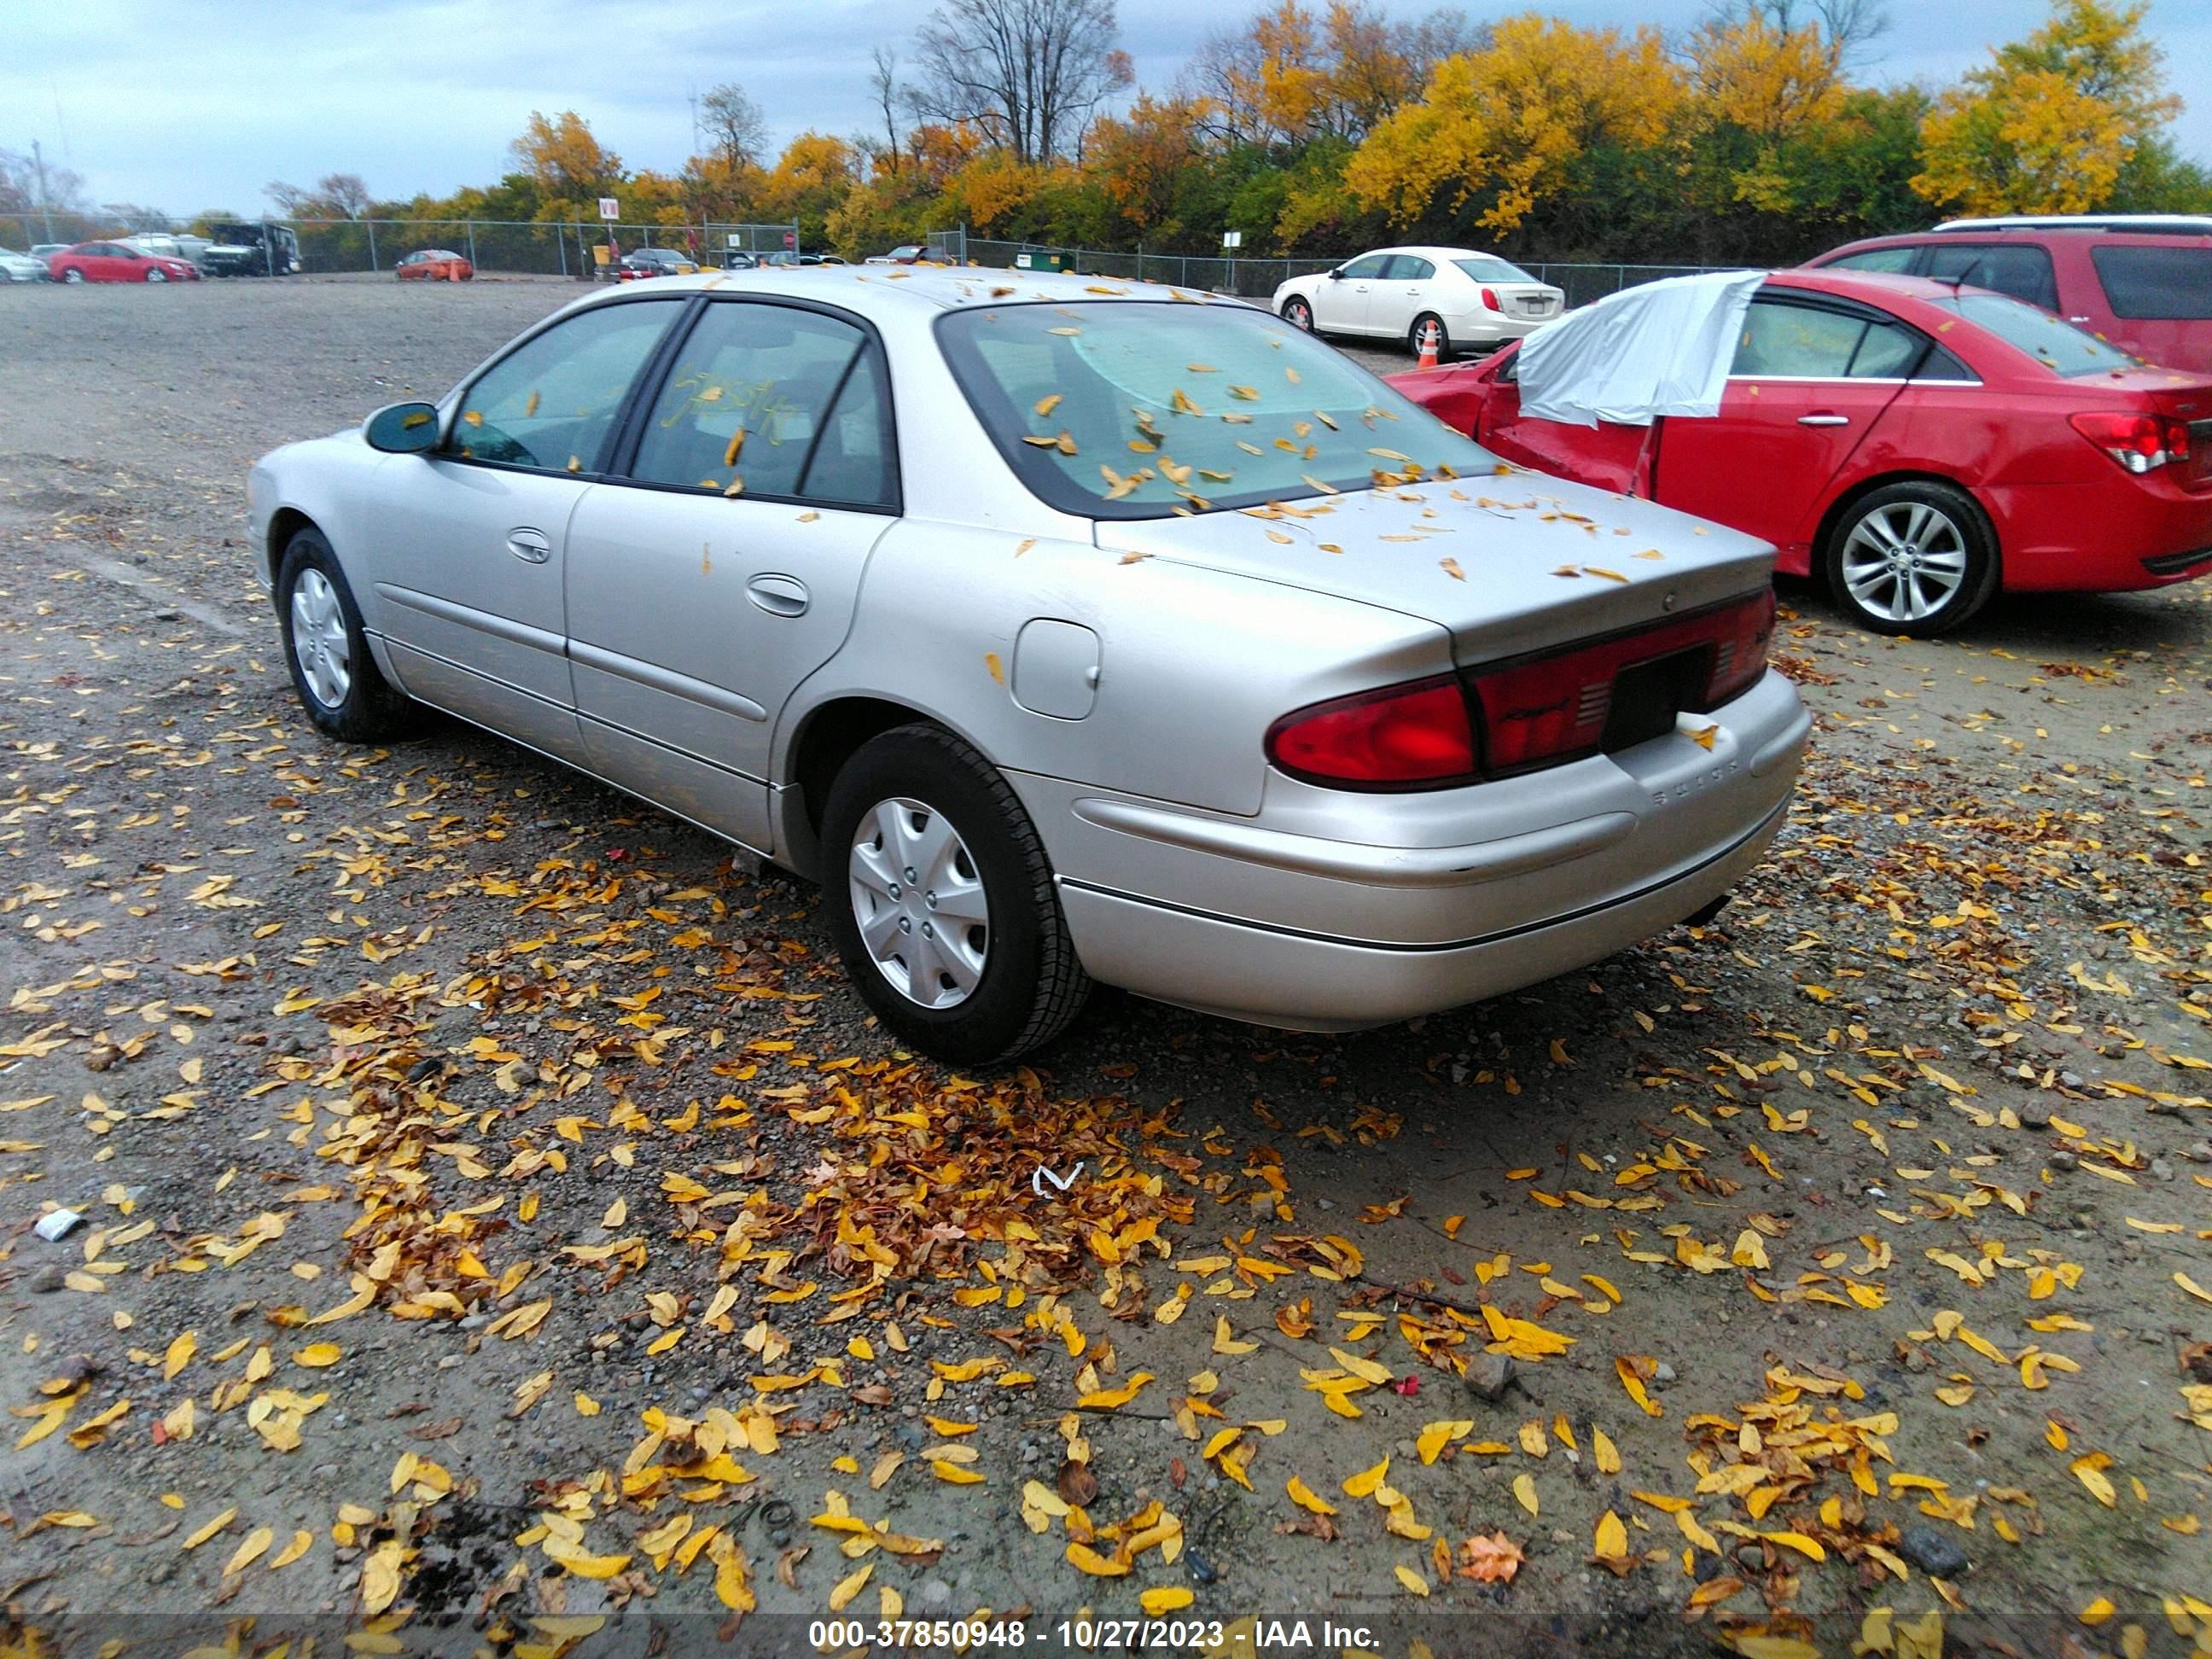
pixel 919 903
pixel 318 639
pixel 1904 562
pixel 1301 316
pixel 157 275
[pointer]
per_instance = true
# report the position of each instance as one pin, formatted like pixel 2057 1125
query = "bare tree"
pixel 136 215
pixel 346 192
pixel 734 124
pixel 1848 28
pixel 882 81
pixel 1028 73
pixel 293 201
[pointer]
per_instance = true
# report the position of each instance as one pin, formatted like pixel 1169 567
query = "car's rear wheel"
pixel 1298 314
pixel 72 275
pixel 1916 558
pixel 941 900
pixel 337 681
pixel 1422 324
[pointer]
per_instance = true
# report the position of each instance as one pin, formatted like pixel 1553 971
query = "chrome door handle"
pixel 779 596
pixel 2077 319
pixel 1824 420
pixel 529 545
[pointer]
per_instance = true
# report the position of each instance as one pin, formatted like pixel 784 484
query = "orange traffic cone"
pixel 1428 347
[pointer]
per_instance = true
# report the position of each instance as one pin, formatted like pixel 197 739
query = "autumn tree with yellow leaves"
pixel 1322 126
pixel 2051 123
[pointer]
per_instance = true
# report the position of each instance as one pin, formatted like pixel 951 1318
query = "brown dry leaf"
pixel 1491 1559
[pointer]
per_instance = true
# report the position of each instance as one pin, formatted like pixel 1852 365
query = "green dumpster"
pixel 1040 259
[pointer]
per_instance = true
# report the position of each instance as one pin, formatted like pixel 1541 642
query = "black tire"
pixel 369 710
pixel 72 275
pixel 1888 554
pixel 1031 985
pixel 1443 336
pixel 1299 315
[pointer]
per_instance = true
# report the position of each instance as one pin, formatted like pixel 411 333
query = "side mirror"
pixel 402 428
pixel 1338 272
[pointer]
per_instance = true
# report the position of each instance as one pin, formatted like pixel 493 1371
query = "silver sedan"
pixel 1065 631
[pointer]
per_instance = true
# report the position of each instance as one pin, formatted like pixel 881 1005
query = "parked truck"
pixel 267 249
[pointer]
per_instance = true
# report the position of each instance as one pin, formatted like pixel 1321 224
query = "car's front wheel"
pixel 1916 558
pixel 72 275
pixel 337 681
pixel 155 274
pixel 941 900
pixel 1298 314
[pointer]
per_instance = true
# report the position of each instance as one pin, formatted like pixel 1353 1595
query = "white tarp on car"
pixel 1658 349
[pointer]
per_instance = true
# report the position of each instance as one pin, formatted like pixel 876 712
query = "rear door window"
pixel 1800 342
pixel 749 405
pixel 1886 351
pixel 2014 268
pixel 1405 267
pixel 2162 283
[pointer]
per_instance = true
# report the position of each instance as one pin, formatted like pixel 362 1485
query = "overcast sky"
pixel 186 105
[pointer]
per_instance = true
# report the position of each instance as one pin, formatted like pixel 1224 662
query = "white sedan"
pixel 1476 300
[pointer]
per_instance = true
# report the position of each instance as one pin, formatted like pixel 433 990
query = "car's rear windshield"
pixel 2059 346
pixel 1117 408
pixel 2156 284
pixel 1489 268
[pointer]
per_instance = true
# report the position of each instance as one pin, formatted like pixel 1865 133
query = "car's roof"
pixel 2156 224
pixel 916 290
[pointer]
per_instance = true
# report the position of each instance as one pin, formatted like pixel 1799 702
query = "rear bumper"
pixel 1486 327
pixel 1331 911
pixel 2131 533
pixel 1314 982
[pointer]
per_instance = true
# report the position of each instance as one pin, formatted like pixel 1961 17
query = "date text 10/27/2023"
pixel 983 1636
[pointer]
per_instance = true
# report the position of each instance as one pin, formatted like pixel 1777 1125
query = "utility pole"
pixel 39 166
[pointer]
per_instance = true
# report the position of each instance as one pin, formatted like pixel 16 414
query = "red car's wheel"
pixel 1917 558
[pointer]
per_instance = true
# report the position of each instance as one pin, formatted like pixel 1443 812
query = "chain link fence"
pixel 515 247
pixel 495 246
pixel 1258 278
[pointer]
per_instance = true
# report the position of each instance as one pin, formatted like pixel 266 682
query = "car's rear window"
pixel 2162 283
pixel 2059 346
pixel 1489 268
pixel 1120 409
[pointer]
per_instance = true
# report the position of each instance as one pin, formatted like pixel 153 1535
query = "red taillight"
pixel 1490 299
pixel 2139 442
pixel 1536 712
pixel 1403 736
pixel 1557 708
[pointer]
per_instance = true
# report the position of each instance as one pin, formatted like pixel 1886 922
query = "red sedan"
pixel 1919 445
pixel 117 262
pixel 435 264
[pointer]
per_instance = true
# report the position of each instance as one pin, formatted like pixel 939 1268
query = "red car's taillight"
pixel 1402 737
pixel 1558 708
pixel 2139 442
pixel 1537 712
pixel 1490 299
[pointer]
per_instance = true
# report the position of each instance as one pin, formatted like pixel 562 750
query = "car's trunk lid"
pixel 1526 301
pixel 1506 564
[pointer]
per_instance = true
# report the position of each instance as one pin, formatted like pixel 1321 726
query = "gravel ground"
pixel 501 1215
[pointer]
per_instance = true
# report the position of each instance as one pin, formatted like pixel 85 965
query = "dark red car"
pixel 2143 281
pixel 117 262
pixel 1920 445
